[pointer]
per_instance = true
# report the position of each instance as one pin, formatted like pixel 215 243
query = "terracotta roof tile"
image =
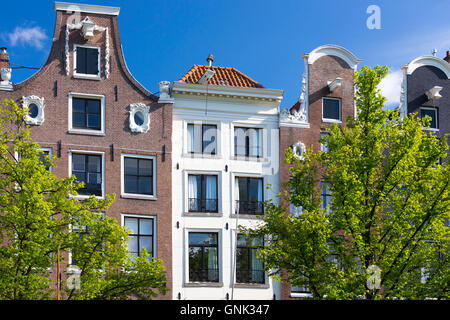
pixel 223 76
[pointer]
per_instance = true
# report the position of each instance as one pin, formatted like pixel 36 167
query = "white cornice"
pixel 429 61
pixel 227 91
pixel 87 8
pixel 333 50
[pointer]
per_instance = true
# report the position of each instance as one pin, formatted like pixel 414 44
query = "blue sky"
pixel 262 38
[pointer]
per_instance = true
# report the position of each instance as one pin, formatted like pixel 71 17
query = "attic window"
pixel 87 61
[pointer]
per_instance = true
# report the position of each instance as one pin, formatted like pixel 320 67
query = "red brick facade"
pixel 120 90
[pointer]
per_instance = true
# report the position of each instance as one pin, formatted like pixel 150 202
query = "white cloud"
pixel 33 37
pixel 390 87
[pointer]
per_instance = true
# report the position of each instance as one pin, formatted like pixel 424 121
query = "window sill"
pixel 81 197
pixel 251 286
pixel 87 76
pixel 203 214
pixel 248 216
pixel 431 129
pixel 201 156
pixel 137 196
pixel 300 295
pixel 86 132
pixel 331 120
pixel 203 284
pixel 245 158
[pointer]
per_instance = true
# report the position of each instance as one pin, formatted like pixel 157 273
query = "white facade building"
pixel 225 164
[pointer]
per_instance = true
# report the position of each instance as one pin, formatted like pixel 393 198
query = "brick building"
pixel 86 109
pixel 327 97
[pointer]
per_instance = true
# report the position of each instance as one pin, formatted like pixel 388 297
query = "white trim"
pixel 88 152
pixel 50 154
pixel 39 102
pixel 217 123
pixel 123 194
pixel 429 61
pixel 264 141
pixel 333 50
pixel 145 110
pixel 436 112
pixel 102 115
pixel 143 216
pixel 85 75
pixel 340 111
pixel 87 8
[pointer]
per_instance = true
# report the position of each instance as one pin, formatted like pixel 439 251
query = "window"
pixel 433 114
pixel 87 168
pixel 323 146
pixel 138 175
pixel 300 290
pixel 203 257
pixel 248 142
pixel 325 196
pixel 34 106
pixel 142 231
pixel 86 113
pixel 294 210
pixel 331 109
pixel 202 193
pixel 202 138
pixel 249 195
pixel 45 155
pixel 82 231
pixel 249 269
pixel 87 61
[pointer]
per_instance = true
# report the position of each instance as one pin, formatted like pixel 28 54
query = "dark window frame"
pixel 86 114
pixel 245 276
pixel 202 275
pixel 138 176
pixel 246 145
pixel 86 191
pixel 323 109
pixel 203 201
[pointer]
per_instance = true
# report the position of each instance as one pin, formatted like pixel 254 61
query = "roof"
pixel 223 76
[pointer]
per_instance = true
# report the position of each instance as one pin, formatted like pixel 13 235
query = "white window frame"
pixel 144 216
pixel 100 97
pixel 340 110
pixel 233 177
pixel 186 153
pixel 437 117
pixel 264 142
pixel 88 152
pixel 123 194
pixel 219 255
pixel 50 154
pixel 85 75
pixel 324 147
pixel 218 174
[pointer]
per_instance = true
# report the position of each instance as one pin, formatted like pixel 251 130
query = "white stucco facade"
pixel 225 107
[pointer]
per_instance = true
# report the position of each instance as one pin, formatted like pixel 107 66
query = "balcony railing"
pixel 204 275
pixel 250 276
pixel 202 205
pixel 249 207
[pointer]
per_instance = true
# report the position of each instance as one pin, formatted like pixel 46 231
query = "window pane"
pixel 145 167
pixel 78 105
pixel 202 238
pixel 93 121
pixel 131 166
pixel 130 184
pixel 93 106
pixel 146 226
pixel 94 178
pixel 94 164
pixel 78 162
pixel 132 244
pixel 33 110
pixel 243 194
pixel 331 109
pixel 139 118
pixel 190 137
pixel 132 224
pixel 81 176
pixel 146 242
pixel 145 185
pixel 78 120
pixel 197 138
pixel 255 191
pixel 209 139
pixel 195 258
pixel 432 114
pixel 240 141
pixel 92 61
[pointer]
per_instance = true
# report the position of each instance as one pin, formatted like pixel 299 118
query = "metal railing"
pixel 202 205
pixel 249 207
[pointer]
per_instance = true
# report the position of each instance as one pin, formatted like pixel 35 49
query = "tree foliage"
pixel 390 201
pixel 40 216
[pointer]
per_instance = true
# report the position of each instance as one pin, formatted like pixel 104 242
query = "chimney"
pixel 210 59
pixel 5 70
pixel 447 58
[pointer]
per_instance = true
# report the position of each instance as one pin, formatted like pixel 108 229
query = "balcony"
pixel 204 275
pixel 250 276
pixel 249 207
pixel 202 205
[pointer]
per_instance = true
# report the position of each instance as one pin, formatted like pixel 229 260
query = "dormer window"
pixel 87 61
pixel 331 110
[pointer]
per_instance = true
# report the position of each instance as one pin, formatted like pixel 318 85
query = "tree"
pixel 39 218
pixel 384 233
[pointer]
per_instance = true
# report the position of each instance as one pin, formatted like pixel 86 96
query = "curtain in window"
pixel 193 190
pixel 255 142
pixel 236 194
pixel 260 190
pixel 212 264
pixel 257 267
pixel 190 137
pixel 211 193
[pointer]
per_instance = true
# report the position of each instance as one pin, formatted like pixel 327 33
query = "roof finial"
pixel 434 52
pixel 210 59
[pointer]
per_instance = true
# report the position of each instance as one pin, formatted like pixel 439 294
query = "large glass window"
pixel 87 60
pixel 86 113
pixel 249 195
pixel 203 257
pixel 248 142
pixel 202 138
pixel 249 269
pixel 331 109
pixel 202 193
pixel 138 175
pixel 87 168
pixel 325 196
pixel 140 236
